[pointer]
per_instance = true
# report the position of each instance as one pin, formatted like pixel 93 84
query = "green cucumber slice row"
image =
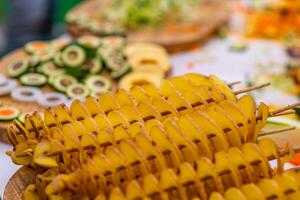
pixel 33 79
pixel 49 68
pixel 93 65
pixel 78 91
pixel 73 56
pixel 98 83
pixel 8 113
pixel 18 68
pixel 62 82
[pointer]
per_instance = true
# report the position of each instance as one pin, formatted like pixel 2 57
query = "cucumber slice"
pixel 57 59
pixel 34 60
pixel 73 56
pixel 51 79
pixel 112 58
pixel 89 41
pixel 63 81
pixel 46 56
pixel 18 68
pixel 93 65
pixel 22 117
pixel 121 72
pixel 49 68
pixel 8 113
pixel 59 44
pixel 36 47
pixel 78 91
pixel 33 79
pixel 98 83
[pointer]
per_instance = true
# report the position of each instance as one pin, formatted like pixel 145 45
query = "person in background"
pixel 28 20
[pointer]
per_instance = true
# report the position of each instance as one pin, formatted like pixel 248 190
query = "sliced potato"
pixel 139 78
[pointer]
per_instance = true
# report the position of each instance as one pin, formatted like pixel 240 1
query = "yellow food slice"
pixel 93 106
pixel 108 102
pixel 235 113
pixel 160 60
pixel 232 132
pixel 241 164
pixel 133 48
pixel 270 150
pixel 124 98
pixel 207 174
pixel 223 87
pixel 151 90
pixel 188 149
pixel 134 191
pixel 151 68
pixel 261 119
pixel 209 128
pixel 270 188
pixel 79 111
pixel 192 131
pixel 248 107
pixel 170 184
pixel 252 192
pixel 168 149
pixel 258 162
pixel 226 170
pixel 234 194
pixel 154 157
pixel 139 78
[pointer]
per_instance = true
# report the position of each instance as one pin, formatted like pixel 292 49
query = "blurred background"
pixel 47 21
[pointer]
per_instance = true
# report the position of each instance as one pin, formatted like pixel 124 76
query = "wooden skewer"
pixel 288 107
pixel 233 83
pixel 251 88
pixel 288 112
pixel 276 131
pixel 285 151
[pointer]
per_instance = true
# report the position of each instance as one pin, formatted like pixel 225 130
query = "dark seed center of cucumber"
pixel 89 65
pixel 72 55
pixel 17 65
pixel 78 90
pixel 33 79
pixel 99 83
pixel 65 82
pixel 27 93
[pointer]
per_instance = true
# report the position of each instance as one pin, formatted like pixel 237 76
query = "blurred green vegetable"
pixel 137 13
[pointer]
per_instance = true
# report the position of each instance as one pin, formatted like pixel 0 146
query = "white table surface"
pixel 213 58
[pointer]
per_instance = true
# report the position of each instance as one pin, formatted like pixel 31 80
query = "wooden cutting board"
pixel 24 107
pixel 175 37
pixel 25 176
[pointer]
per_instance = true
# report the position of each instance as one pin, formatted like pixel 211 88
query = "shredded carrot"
pixel 39 45
pixel 296 160
pixel 6 112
